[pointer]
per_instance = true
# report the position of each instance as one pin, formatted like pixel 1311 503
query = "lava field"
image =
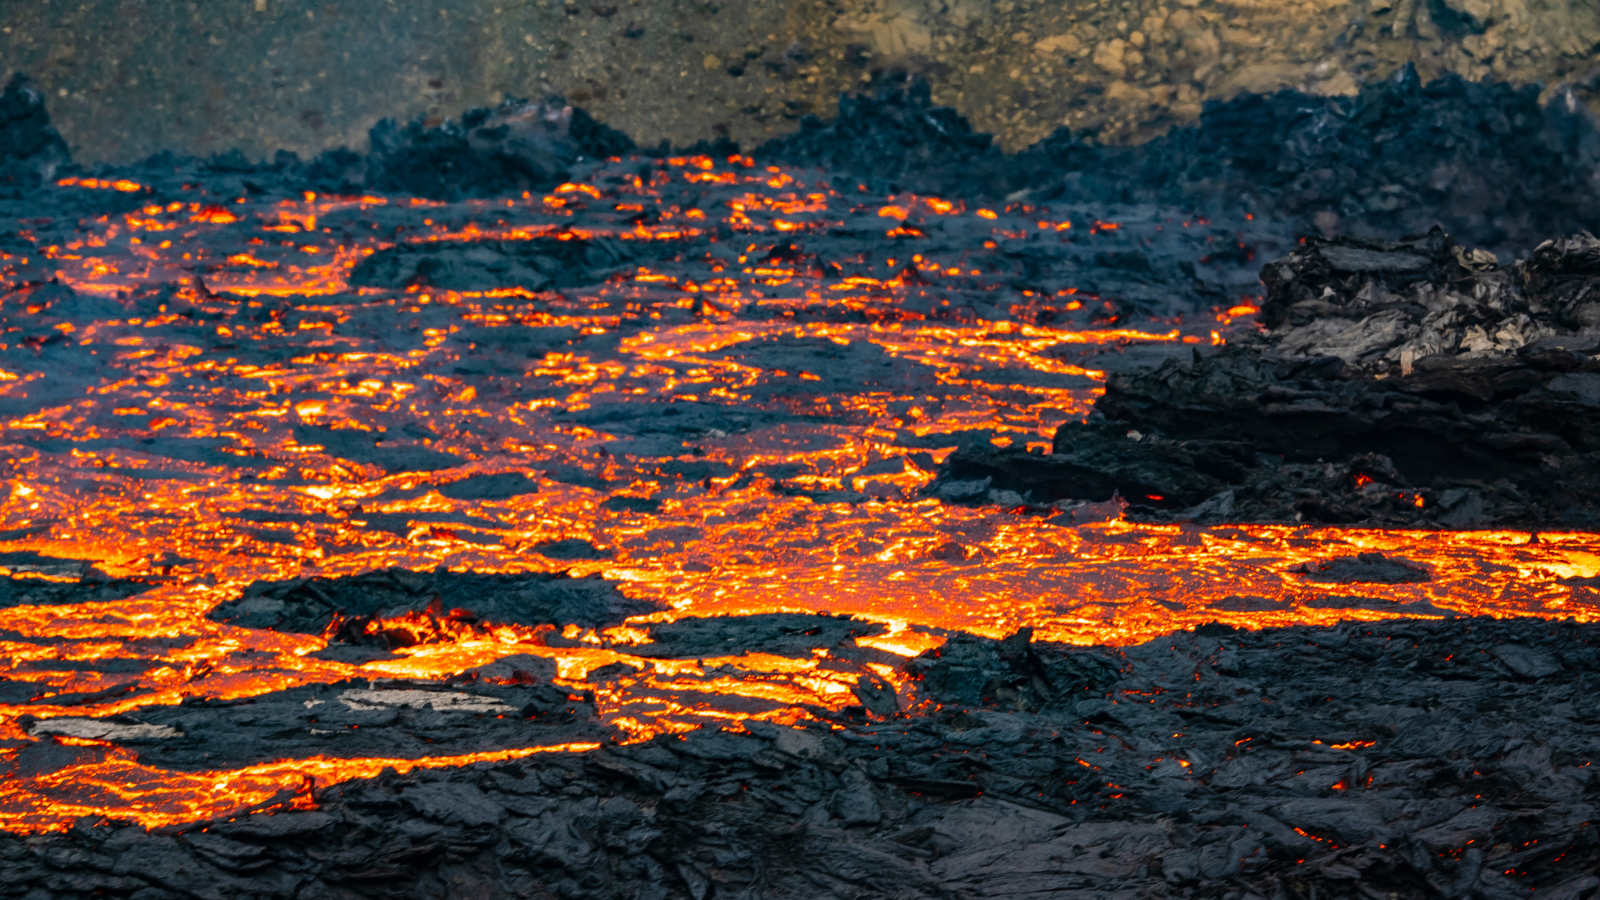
pixel 511 513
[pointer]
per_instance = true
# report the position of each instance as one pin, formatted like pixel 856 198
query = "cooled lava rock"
pixel 1366 568
pixel 1438 759
pixel 503 486
pixel 312 605
pixel 40 592
pixel 1408 382
pixel 389 452
pixel 518 145
pixel 347 719
pixel 1488 161
pixel 781 634
pixel 536 264
pixel 82 583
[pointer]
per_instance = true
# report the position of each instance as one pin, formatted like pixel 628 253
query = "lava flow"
pixel 718 388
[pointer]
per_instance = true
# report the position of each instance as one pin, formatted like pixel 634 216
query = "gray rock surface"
pixel 1421 759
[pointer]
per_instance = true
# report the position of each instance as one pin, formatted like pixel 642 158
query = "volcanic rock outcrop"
pixel 518 145
pixel 1494 165
pixel 1409 382
pixel 30 150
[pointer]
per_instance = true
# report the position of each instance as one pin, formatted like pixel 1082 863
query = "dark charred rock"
pixel 1402 382
pixel 312 605
pixel 1367 568
pixel 30 149
pixel 353 654
pixel 538 264
pixel 895 135
pixel 598 140
pixel 1371 758
pixel 570 549
pixel 516 146
pixel 389 452
pixel 783 634
pixel 503 486
pixel 510 704
pixel 91 585
pixel 1095 462
pixel 971 672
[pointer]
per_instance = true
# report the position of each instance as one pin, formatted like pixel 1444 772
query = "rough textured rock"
pixel 1488 161
pixel 516 146
pixel 1400 382
pixel 538 264
pixel 30 150
pixel 347 605
pixel 508 705
pixel 1422 759
pixel 88 585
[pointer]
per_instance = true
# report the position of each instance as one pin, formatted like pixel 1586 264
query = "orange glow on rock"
pixel 285 418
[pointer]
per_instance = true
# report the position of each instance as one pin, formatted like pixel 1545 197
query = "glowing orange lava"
pixel 212 414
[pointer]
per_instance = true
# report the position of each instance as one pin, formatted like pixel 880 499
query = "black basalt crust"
pixel 518 145
pixel 309 605
pixel 30 150
pixel 1410 382
pixel 537 264
pixel 1487 161
pixel 1440 759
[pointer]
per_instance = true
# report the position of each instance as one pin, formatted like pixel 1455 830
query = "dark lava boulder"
pixel 896 135
pixel 1486 160
pixel 394 719
pixel 516 146
pixel 30 149
pixel 1366 568
pixel 970 672
pixel 16 591
pixel 537 264
pixel 501 486
pixel 781 634
pixel 312 605
pixel 391 452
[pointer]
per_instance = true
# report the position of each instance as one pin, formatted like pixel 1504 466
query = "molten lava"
pixel 235 391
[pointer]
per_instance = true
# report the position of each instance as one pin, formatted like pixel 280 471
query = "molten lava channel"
pixel 239 390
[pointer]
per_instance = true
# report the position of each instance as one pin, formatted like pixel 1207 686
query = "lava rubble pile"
pixel 1401 383
pixel 555 522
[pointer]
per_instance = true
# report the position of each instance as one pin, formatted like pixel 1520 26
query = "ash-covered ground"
pixel 499 513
